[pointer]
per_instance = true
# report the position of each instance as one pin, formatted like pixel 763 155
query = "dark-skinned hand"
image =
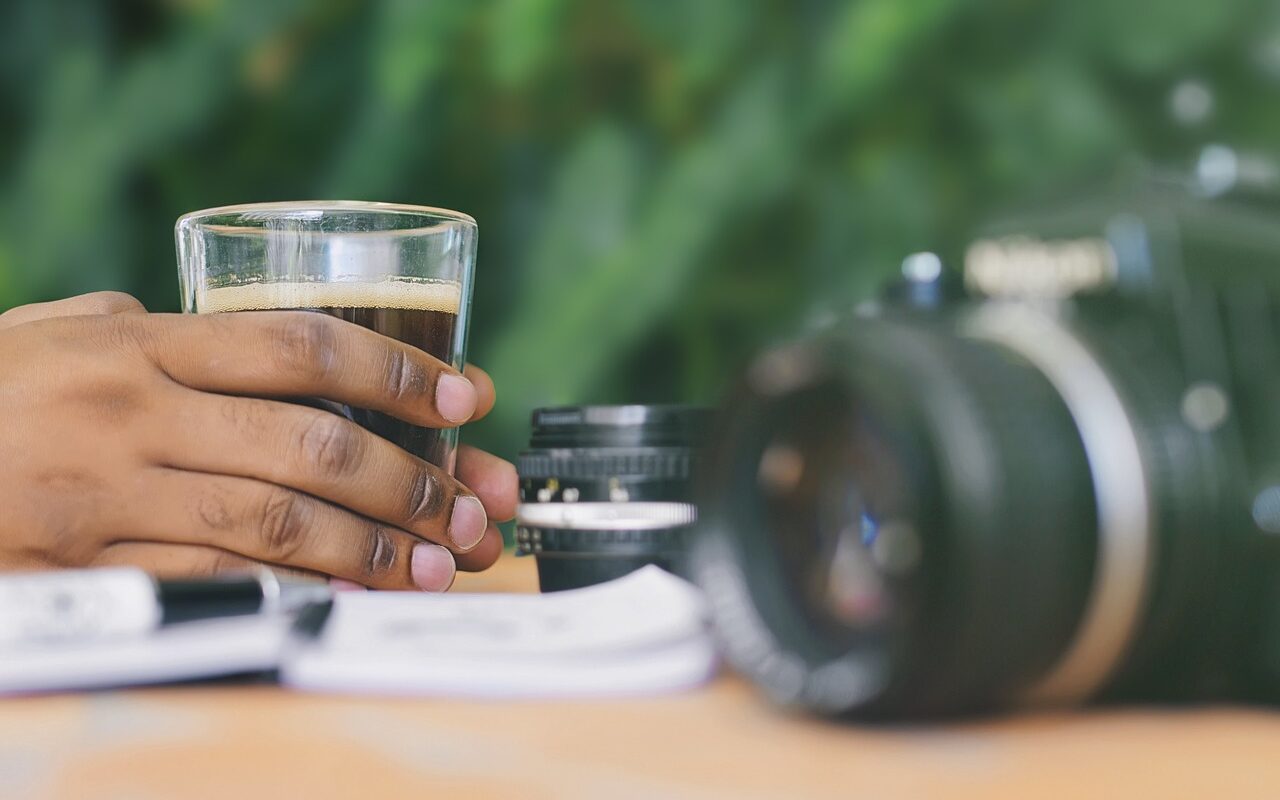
pixel 165 441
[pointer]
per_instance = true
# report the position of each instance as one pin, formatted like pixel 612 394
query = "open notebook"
pixel 643 633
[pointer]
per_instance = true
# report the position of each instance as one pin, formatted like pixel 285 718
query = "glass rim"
pixel 196 217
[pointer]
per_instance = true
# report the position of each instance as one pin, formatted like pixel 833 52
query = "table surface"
pixel 719 742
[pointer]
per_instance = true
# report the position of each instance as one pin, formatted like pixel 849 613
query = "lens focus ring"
pixel 654 463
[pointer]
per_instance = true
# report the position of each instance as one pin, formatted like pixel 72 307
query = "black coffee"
pixel 422 314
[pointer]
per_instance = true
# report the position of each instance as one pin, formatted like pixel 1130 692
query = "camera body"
pixel 1055 482
pixel 1176 297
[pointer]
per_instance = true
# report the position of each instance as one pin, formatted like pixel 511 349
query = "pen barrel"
pixel 184 601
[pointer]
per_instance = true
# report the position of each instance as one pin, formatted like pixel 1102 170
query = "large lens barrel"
pixel 913 516
pixel 605 490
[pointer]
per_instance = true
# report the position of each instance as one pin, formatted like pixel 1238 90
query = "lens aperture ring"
pixel 537 541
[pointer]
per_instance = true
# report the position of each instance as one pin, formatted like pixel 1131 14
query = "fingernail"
pixel 455 398
pixel 467 522
pixel 432 567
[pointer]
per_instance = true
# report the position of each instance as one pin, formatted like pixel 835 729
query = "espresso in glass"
pixel 402 271
pixel 421 313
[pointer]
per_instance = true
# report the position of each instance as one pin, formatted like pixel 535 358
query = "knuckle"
pixel 16 316
pixel 212 512
pixel 217 562
pixel 379 556
pixel 405 379
pixel 64 505
pixel 329 445
pixel 426 496
pixel 234 411
pixel 109 303
pixel 284 519
pixel 248 417
pixel 113 401
pixel 307 343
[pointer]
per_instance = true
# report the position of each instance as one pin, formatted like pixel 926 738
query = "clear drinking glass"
pixel 402 271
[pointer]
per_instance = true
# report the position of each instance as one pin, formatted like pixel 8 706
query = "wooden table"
pixel 260 741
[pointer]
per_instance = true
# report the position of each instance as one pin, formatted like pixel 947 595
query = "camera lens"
pixel 605 490
pixel 915 516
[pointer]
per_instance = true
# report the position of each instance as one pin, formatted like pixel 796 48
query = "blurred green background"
pixel 662 186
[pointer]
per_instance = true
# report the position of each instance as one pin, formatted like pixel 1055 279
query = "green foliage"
pixel 662 186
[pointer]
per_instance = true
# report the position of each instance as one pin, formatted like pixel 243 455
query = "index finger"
pixel 307 354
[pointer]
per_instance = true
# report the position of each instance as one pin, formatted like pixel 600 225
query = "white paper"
pixel 187 651
pixel 643 633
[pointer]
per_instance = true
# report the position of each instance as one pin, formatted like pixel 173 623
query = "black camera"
pixel 1055 481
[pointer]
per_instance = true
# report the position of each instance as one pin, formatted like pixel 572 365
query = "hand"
pixel 154 440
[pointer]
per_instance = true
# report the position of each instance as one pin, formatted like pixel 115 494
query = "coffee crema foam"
pixel 402 295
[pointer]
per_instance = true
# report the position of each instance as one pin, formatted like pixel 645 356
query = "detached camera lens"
pixel 605 490
pixel 897 522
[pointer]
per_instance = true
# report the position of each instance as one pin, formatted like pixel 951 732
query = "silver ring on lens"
pixel 1119 590
pixel 606 516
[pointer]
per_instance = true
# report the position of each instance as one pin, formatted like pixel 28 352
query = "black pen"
pixel 80 605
